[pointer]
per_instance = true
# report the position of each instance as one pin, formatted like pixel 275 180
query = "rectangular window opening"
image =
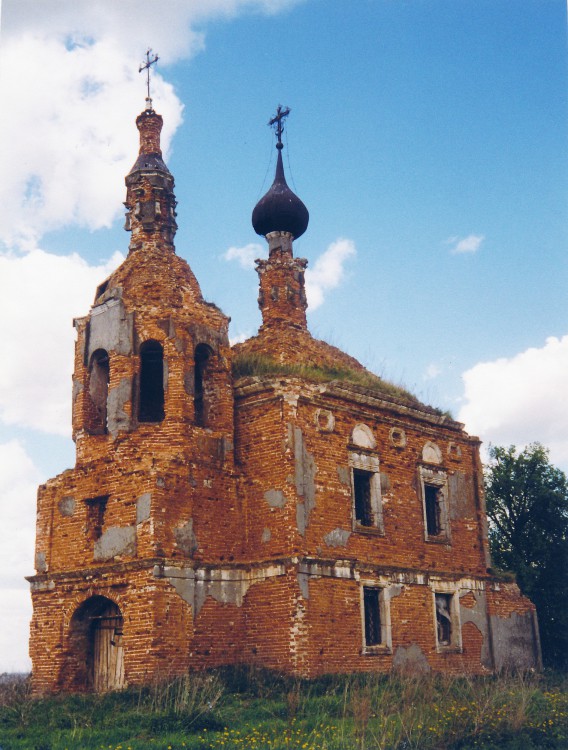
pixel 432 502
pixel 372 613
pixel 96 507
pixel 444 619
pixel 362 492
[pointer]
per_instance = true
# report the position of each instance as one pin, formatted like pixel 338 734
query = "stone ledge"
pixel 271 387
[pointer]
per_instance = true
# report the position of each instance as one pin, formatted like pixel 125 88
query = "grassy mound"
pixel 237 709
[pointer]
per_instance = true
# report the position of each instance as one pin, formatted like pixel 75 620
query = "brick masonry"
pixel 224 530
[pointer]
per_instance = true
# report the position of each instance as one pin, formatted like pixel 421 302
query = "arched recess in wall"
pixel 95 654
pixel 202 385
pixel 151 395
pixel 99 376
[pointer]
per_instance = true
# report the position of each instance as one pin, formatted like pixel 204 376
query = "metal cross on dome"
pixel 281 113
pixel 146 66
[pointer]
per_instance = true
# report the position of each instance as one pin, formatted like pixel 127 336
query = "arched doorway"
pixel 96 645
pixel 108 652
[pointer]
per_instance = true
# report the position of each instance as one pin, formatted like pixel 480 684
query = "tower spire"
pixel 280 210
pixel 278 121
pixel 146 66
pixel 281 217
pixel 150 200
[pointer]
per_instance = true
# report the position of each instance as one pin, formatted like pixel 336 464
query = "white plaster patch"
pixel 431 453
pixel 363 437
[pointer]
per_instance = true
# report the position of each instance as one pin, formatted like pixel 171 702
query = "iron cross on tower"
pixel 146 66
pixel 277 120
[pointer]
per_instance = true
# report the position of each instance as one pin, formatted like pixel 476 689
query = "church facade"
pixel 270 503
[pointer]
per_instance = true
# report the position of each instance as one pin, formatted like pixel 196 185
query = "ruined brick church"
pixel 270 503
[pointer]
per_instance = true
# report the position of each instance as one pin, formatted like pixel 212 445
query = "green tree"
pixel 527 506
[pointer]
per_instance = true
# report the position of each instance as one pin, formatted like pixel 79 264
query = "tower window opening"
pixel 200 401
pixel 151 401
pixel 99 376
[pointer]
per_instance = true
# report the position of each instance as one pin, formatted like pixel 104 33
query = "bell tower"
pixel 154 485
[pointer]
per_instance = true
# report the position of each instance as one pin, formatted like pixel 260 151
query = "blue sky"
pixel 428 140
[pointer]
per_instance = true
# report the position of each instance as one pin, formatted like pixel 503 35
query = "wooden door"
pixel 108 652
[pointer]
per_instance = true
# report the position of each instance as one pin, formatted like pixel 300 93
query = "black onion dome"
pixel 280 210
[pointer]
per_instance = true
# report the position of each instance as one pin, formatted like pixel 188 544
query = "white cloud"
pixel 432 371
pixel 37 337
pixel 522 399
pixel 168 27
pixel 69 127
pixel 469 244
pixel 18 485
pixel 238 338
pixel 70 86
pixel 246 255
pixel 328 271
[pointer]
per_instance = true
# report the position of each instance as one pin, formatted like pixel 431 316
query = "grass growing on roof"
pixel 252 364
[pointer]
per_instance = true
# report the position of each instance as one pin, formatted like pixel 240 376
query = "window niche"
pixel 202 385
pixel 375 619
pixel 151 395
pixel 96 507
pixel 447 621
pixel 434 492
pixel 365 481
pixel 99 377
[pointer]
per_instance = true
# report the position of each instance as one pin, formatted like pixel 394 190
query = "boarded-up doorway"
pixel 95 652
pixel 107 650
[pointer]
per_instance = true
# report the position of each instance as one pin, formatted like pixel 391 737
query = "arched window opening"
pixel 200 393
pixel 96 655
pixel 99 376
pixel 151 401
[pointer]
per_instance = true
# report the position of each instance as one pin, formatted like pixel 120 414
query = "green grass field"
pixel 237 709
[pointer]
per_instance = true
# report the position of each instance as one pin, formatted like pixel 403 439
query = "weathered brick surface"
pixel 225 532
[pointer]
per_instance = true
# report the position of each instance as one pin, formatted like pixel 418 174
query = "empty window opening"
pixel 101 289
pixel 434 495
pixel 362 494
pixel 96 507
pixel 200 401
pixel 433 505
pixel 99 376
pixel 151 402
pixel 444 619
pixel 372 614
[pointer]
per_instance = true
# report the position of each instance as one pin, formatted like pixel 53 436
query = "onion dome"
pixel 280 210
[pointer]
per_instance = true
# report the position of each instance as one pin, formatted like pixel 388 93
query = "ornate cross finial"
pixel 281 113
pixel 146 66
